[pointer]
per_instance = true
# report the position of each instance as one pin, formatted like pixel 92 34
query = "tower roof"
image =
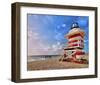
pixel 75 25
pixel 75 29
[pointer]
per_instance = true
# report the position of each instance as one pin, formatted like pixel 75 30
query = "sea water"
pixel 41 57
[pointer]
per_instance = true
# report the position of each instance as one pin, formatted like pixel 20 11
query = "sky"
pixel 46 32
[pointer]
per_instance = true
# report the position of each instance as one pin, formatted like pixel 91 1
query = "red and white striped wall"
pixel 75 40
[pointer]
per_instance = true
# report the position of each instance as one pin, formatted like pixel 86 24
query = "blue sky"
pixel 47 32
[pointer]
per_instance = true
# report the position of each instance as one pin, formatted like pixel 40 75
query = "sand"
pixel 51 64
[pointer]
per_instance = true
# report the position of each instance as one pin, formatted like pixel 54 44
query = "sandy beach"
pixel 51 64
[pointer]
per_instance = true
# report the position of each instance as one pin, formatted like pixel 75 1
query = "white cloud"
pixel 29 33
pixel 58 36
pixel 63 25
pixel 33 35
pixel 58 43
pixel 38 47
pixel 85 40
pixel 57 46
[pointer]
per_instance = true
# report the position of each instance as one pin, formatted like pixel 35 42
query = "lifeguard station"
pixel 73 52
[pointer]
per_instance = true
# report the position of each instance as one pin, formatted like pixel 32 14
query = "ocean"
pixel 42 57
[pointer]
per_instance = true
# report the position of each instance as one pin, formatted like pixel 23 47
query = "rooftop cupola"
pixel 75 25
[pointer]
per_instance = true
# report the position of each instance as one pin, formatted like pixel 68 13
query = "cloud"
pixel 58 36
pixel 57 46
pixel 37 47
pixel 63 25
pixel 85 41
